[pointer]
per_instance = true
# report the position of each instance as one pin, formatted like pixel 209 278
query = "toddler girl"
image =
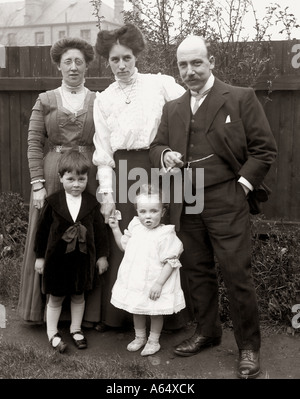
pixel 148 281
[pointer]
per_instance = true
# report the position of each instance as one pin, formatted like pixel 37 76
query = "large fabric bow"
pixel 75 233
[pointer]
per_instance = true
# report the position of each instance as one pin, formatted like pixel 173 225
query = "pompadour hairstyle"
pixel 128 35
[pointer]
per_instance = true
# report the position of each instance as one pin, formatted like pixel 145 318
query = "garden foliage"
pixel 13 228
pixel 275 269
pixel 242 57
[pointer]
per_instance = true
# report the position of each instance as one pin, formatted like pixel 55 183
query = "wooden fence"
pixel 29 71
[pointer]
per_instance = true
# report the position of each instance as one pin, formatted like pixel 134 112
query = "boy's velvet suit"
pixel 70 269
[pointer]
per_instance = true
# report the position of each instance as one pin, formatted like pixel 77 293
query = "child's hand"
pixel 113 222
pixel 102 265
pixel 155 291
pixel 39 265
pixel 107 204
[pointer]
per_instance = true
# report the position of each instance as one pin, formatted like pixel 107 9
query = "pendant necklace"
pixel 127 100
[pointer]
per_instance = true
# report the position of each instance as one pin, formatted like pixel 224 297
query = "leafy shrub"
pixel 13 218
pixel 275 270
pixel 13 229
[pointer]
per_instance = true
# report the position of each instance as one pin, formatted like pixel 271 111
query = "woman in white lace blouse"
pixel 126 117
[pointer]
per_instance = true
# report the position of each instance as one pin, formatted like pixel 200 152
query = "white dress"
pixel 146 250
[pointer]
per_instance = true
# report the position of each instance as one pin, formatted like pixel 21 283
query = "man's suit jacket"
pixel 246 143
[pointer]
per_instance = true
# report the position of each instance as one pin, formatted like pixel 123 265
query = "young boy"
pixel 71 243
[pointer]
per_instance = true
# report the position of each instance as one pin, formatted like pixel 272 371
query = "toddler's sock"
pixel 152 346
pixel 139 341
pixel 140 333
pixel 77 311
pixel 52 318
pixel 153 337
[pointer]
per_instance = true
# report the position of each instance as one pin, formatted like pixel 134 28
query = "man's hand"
pixel 172 159
pixel 245 188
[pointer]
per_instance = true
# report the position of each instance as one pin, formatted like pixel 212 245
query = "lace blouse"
pixel 130 126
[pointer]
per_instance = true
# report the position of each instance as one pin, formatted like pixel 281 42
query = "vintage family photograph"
pixel 149 193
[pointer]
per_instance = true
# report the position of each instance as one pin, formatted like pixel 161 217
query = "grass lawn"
pixel 28 362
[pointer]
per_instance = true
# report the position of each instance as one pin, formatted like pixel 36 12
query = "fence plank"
pixel 13 61
pixel 47 83
pixel 36 61
pixel 46 69
pixel 286 82
pixel 284 158
pixel 295 166
pixel 270 208
pixel 15 143
pixel 5 142
pixel 25 69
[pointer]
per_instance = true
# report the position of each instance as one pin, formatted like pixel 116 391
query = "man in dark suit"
pixel 224 130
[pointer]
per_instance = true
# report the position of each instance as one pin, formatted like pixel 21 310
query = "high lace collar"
pixel 72 89
pixel 132 78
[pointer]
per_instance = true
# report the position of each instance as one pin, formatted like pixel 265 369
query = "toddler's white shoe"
pixel 136 344
pixel 150 348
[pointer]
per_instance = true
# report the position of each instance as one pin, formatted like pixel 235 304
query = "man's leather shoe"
pixel 249 364
pixel 196 344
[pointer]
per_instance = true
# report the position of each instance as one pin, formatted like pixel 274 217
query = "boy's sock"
pixel 52 318
pixel 77 311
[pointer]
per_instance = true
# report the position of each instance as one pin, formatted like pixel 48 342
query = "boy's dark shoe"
pixel 57 343
pixel 79 339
